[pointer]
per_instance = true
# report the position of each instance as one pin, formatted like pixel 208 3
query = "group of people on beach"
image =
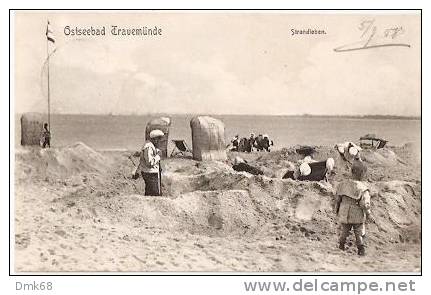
pixel 352 199
pixel 253 143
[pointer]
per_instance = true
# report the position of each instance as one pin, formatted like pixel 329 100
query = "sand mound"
pixel 57 163
pixel 221 212
pixel 397 206
pixel 209 213
pixel 397 203
pixel 382 157
pixel 230 203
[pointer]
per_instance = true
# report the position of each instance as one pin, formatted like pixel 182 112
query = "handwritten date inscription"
pixel 373 37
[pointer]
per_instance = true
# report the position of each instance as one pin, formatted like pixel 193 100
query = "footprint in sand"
pixel 22 241
pixel 43 258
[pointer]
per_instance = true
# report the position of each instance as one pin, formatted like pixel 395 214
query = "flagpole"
pixel 49 105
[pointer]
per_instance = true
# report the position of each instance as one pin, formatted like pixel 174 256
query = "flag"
pixel 49 33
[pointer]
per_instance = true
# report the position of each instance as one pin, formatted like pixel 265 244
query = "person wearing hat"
pixel 235 143
pixel 149 164
pixel 330 165
pixel 258 143
pixel 348 151
pixel 353 207
pixel 266 143
pixel 251 143
pixel 310 169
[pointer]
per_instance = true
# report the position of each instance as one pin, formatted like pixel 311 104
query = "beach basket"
pixel 31 128
pixel 208 139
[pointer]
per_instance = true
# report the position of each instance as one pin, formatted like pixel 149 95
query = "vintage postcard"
pixel 227 141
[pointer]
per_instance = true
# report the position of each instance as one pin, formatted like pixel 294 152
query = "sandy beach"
pixel 77 209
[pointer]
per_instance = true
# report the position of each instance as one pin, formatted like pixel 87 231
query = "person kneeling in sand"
pixel 348 151
pixel 149 164
pixel 311 170
pixel 353 206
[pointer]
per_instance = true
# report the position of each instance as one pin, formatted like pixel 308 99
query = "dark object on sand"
pixel 372 141
pixel 318 172
pixel 180 148
pixel 247 168
pixel 288 175
pixel 306 150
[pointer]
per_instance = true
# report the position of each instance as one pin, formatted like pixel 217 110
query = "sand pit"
pixel 94 217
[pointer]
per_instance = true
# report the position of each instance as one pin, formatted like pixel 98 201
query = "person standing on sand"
pixel 45 138
pixel 235 143
pixel 251 143
pixel 267 143
pixel 353 206
pixel 149 164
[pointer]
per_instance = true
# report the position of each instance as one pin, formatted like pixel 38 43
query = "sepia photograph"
pixel 229 141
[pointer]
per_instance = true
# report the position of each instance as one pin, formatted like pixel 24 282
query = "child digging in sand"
pixel 353 206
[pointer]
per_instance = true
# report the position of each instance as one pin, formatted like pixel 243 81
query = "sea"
pixel 106 132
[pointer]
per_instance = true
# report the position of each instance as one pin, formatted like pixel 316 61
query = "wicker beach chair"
pixel 180 148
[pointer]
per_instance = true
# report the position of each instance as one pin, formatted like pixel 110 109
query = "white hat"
pixel 156 133
pixel 353 151
pixel 308 159
pixel 238 160
pixel 340 149
pixel 265 136
pixel 330 163
pixel 305 169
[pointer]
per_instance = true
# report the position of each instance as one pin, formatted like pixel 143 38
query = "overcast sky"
pixel 218 63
